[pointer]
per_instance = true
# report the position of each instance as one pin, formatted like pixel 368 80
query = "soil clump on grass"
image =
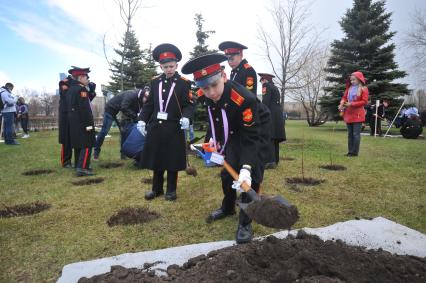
pixel 89 181
pixel 132 215
pixel 304 181
pixel 191 171
pixel 304 259
pixel 110 165
pixel 23 209
pixel 37 172
pixel 333 167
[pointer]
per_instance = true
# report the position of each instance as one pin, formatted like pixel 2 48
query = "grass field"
pixel 388 179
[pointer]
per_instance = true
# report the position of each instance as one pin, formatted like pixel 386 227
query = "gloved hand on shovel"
pixel 141 127
pixel 245 176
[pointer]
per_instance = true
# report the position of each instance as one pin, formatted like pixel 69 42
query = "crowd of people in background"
pixel 14 113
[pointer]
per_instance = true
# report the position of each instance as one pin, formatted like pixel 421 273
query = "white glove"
pixel 141 127
pixel 237 186
pixel 184 123
pixel 245 176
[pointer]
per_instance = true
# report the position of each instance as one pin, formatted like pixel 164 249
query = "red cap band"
pixel 207 71
pixel 167 55
pixel 77 73
pixel 232 50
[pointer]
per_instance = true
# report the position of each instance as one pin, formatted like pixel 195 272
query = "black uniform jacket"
pixel 244 139
pixel 80 116
pixel 271 98
pixel 132 105
pixel 63 110
pixel 245 75
pixel 165 145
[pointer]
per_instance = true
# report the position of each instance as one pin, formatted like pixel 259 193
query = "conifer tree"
pixel 366 47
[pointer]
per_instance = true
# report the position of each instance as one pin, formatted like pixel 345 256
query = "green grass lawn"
pixel 388 179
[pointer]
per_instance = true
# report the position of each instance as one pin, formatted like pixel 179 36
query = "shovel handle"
pixel 235 176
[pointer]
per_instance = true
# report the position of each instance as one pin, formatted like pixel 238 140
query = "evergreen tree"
pixel 200 115
pixel 366 47
pixel 201 48
pixel 127 72
pixel 149 66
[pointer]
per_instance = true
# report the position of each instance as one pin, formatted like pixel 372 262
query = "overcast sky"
pixel 40 39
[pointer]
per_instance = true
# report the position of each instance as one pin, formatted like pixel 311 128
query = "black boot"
pixel 157 186
pixel 171 186
pixel 83 172
pixel 244 231
pixel 219 214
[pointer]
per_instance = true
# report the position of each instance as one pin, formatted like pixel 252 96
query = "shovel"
pixel 273 212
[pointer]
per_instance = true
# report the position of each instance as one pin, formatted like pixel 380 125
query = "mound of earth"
pixel 24 209
pixel 109 165
pixel 304 181
pixel 333 167
pixel 86 182
pixel 132 215
pixel 191 171
pixel 304 258
pixel 37 172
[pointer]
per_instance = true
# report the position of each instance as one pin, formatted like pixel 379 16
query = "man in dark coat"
pixel 271 98
pixel 64 127
pixel 164 117
pixel 82 128
pixel 234 124
pixel 242 72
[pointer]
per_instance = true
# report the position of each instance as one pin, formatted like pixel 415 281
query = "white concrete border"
pixel 372 234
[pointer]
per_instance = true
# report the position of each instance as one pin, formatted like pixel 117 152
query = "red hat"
pixel 206 69
pixel 266 76
pixel 166 52
pixel 360 76
pixel 77 71
pixel 231 47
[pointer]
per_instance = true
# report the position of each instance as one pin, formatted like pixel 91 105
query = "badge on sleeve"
pixel 247 115
pixel 250 82
pixel 83 94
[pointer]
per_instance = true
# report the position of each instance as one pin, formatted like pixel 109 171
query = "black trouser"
pixel 82 156
pixel 276 150
pixel 379 126
pixel 66 154
pixel 158 181
pixel 24 124
pixel 230 195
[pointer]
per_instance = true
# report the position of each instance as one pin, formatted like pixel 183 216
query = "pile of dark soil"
pixel 333 167
pixel 132 215
pixel 304 259
pixel 146 180
pixel 86 182
pixel 37 172
pixel 109 165
pixel 304 181
pixel 271 212
pixel 287 158
pixel 24 209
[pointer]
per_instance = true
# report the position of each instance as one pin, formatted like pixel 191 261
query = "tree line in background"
pixel 307 70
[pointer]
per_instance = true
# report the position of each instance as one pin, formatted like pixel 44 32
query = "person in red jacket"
pixel 352 106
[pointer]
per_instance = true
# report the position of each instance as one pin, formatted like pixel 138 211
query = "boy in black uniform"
pixel 242 72
pixel 82 128
pixel 271 98
pixel 64 127
pixel 164 116
pixel 234 127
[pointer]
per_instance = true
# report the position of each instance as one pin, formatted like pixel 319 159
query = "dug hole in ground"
pixel 275 260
